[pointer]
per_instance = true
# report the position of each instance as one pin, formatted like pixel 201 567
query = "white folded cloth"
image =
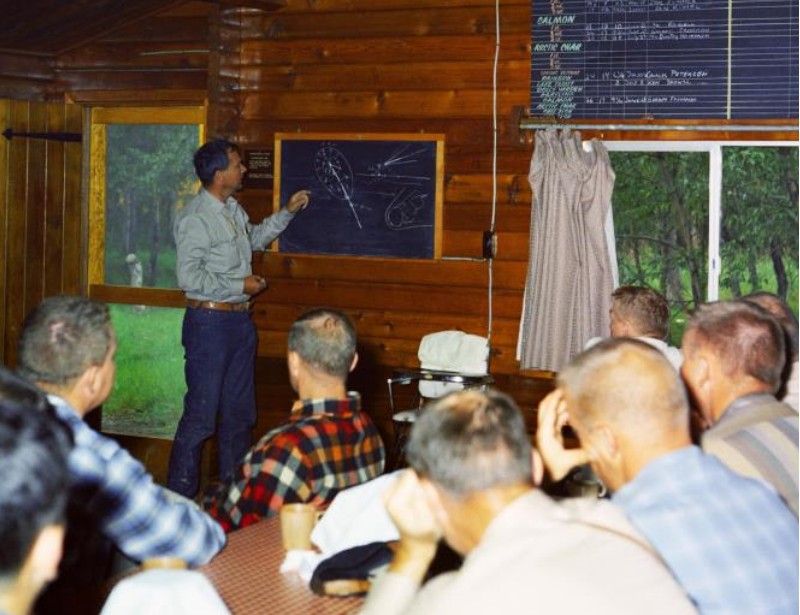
pixel 357 516
pixel 165 592
pixel 302 562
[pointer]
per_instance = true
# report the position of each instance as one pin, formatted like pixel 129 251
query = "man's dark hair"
pixel 34 448
pixel 747 340
pixel 781 311
pixel 470 441
pixel 62 337
pixel 646 309
pixel 326 340
pixel 212 157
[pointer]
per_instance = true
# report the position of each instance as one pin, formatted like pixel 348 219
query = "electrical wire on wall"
pixel 492 236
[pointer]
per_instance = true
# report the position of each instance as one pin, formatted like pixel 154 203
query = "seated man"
pixel 641 312
pixel 34 447
pixel 729 540
pixel 734 359
pixel 473 482
pixel 327 443
pixel 67 348
pixel 789 392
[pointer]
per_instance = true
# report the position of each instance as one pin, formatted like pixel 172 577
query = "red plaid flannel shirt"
pixel 325 445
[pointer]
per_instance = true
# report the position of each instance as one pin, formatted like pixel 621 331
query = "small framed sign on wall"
pixel 374 195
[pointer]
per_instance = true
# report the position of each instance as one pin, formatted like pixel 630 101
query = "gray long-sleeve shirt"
pixel 215 243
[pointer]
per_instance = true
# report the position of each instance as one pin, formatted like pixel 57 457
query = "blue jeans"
pixel 220 352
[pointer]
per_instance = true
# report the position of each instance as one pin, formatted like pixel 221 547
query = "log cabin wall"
pixel 391 67
pixel 41 251
pixel 25 76
pixel 163 58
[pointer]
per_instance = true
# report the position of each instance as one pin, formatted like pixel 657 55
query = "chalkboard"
pixel 371 195
pixel 670 59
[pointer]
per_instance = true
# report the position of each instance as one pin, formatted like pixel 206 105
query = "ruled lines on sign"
pixel 665 59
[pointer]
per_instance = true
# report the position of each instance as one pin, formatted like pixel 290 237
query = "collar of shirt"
pixel 309 407
pixel 64 411
pixel 658 476
pixel 743 404
pixel 228 207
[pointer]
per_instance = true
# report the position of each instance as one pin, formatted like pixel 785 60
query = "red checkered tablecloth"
pixel 246 576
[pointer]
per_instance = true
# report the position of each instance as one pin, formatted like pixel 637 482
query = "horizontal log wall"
pixel 169 51
pixel 392 67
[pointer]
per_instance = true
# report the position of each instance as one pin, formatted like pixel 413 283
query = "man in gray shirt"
pixel 215 240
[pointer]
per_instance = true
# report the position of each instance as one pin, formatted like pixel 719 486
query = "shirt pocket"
pixel 223 257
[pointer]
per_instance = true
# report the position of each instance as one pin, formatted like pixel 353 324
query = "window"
pixel 141 173
pixel 702 221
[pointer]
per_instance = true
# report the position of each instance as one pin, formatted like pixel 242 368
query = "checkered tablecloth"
pixel 246 576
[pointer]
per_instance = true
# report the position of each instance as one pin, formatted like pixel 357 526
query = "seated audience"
pixel 34 447
pixel 473 483
pixel 729 540
pixel 67 348
pixel 790 386
pixel 641 312
pixel 325 445
pixel 734 357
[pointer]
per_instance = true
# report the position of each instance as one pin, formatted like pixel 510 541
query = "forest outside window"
pixel 141 173
pixel 703 221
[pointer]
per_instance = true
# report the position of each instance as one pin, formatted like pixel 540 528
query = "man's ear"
pixel 293 361
pixel 46 553
pixel 605 443
pixel 354 363
pixel 89 382
pixel 537 467
pixel 434 498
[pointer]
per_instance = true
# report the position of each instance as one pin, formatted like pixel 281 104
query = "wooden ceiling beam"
pixel 264 5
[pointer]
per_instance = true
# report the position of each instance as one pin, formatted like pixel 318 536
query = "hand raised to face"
pixel 553 415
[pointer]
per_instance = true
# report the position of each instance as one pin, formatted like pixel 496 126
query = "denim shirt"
pixel 215 242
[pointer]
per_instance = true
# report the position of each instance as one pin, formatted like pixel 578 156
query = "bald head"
pixel 627 384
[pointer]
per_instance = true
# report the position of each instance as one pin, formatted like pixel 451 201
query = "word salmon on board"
pixel 664 59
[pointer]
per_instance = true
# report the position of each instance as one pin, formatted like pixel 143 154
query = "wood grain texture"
pixel 40 234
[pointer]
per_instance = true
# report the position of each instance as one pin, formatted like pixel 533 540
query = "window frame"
pixel 715 161
pixel 99 118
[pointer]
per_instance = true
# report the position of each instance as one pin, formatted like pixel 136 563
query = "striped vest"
pixel 757 436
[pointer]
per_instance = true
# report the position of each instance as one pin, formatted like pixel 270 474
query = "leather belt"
pixel 244 306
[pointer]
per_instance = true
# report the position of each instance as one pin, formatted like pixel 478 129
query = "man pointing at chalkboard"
pixel 215 240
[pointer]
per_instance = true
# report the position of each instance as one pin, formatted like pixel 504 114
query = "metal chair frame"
pixel 407 376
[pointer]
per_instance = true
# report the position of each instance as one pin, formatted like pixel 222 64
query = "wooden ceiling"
pixel 50 27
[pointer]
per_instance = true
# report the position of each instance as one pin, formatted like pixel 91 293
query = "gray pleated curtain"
pixel 569 283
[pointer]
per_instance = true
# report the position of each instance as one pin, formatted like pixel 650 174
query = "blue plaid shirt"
pixel 729 540
pixel 112 493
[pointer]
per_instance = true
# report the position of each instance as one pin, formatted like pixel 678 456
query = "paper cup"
pixel 297 522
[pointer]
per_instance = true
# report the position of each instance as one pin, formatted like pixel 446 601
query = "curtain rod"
pixel 534 124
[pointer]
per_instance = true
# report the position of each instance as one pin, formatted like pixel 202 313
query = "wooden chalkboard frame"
pixel 438 139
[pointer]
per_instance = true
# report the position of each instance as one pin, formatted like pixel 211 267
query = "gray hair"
pixel 745 338
pixel 326 340
pixel 470 441
pixel 62 337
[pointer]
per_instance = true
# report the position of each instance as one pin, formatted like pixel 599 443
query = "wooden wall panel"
pixel 41 231
pixel 429 73
pixel 168 51
pixel 24 76
pixel 396 66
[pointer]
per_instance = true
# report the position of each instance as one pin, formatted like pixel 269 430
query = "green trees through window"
pixel 149 175
pixel 661 220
